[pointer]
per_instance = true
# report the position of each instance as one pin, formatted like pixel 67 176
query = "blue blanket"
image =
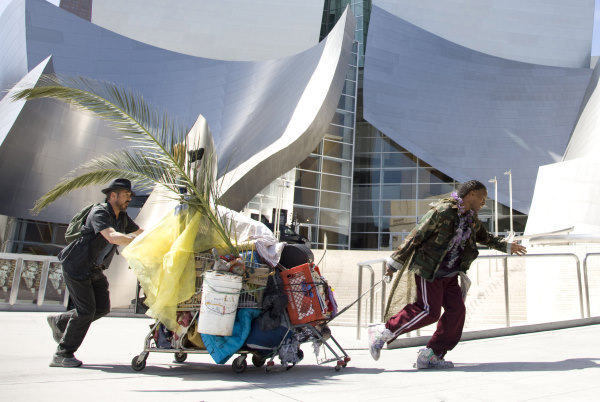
pixel 221 348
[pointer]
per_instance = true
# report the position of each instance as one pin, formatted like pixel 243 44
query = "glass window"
pixel 398 224
pixel 399 191
pixel 334 218
pixel 305 196
pixel 335 183
pixel 366 192
pixel 333 237
pixel 435 190
pixel 349 87
pixel 430 175
pixel 346 102
pixel 337 149
pixel 365 224
pixel 399 208
pixel 366 176
pixel 364 241
pixel 390 146
pixel 307 179
pixel 365 130
pixel 343 118
pixel 335 200
pixel 367 160
pixel 366 144
pixel 365 208
pixel 340 133
pixel 338 167
pixel 400 176
pixel 399 160
pixel 305 215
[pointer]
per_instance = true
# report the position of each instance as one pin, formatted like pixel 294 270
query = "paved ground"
pixel 560 365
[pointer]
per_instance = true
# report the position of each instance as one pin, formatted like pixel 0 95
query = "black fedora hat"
pixel 118 184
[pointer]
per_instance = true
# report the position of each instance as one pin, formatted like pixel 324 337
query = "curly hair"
pixel 468 186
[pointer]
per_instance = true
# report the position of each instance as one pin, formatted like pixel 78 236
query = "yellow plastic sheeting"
pixel 162 258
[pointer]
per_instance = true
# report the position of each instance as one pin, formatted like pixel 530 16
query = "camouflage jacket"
pixel 424 248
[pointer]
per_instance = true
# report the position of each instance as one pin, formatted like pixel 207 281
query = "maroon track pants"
pixel 431 297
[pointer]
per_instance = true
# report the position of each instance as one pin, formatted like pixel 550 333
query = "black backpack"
pixel 75 228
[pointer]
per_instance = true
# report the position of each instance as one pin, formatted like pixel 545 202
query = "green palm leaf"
pixel 156 156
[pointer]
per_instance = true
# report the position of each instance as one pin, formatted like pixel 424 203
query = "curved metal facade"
pixel 550 32
pixel 210 28
pixel 248 105
pixel 468 114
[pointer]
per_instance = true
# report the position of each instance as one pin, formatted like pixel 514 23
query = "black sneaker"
pixel 57 334
pixel 59 361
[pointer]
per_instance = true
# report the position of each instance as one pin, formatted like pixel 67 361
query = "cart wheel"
pixel 239 364
pixel 338 367
pixel 138 365
pixel 269 366
pixel 346 360
pixel 258 360
pixel 180 357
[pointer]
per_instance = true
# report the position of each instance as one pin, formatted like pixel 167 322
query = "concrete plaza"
pixel 559 365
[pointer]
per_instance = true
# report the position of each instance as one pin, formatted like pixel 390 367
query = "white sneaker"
pixel 378 336
pixel 428 360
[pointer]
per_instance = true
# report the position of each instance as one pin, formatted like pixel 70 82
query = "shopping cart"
pixel 305 319
pixel 160 340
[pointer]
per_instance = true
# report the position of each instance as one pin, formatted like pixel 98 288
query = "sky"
pixel 595 37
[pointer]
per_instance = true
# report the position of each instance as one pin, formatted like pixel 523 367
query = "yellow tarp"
pixel 162 258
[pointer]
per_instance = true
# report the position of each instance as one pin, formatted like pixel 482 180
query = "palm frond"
pixel 156 157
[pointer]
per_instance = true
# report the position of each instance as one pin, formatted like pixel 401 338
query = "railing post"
pixel 506 302
pixel 585 283
pixel 579 286
pixel 383 284
pixel 366 264
pixel 359 312
pixel 372 295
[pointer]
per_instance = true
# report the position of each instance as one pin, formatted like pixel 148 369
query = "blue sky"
pixel 595 37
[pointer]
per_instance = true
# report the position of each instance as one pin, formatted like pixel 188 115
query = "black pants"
pixel 91 301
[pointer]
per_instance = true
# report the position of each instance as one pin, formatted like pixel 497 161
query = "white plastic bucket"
pixel 220 295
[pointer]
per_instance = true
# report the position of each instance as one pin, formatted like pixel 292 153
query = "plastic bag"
pixel 162 258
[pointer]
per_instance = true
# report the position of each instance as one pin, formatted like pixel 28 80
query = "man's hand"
pixel 389 273
pixel 516 248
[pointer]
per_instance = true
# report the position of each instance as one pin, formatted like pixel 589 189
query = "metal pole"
pixel 383 266
pixel 359 312
pixel 506 303
pixel 509 173
pixel 495 181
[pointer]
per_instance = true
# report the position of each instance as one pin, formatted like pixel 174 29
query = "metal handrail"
pixel 489 257
pixel 367 264
pixel 505 265
pixel 585 282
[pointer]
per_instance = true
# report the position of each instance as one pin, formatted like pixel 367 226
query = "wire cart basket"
pixel 304 289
